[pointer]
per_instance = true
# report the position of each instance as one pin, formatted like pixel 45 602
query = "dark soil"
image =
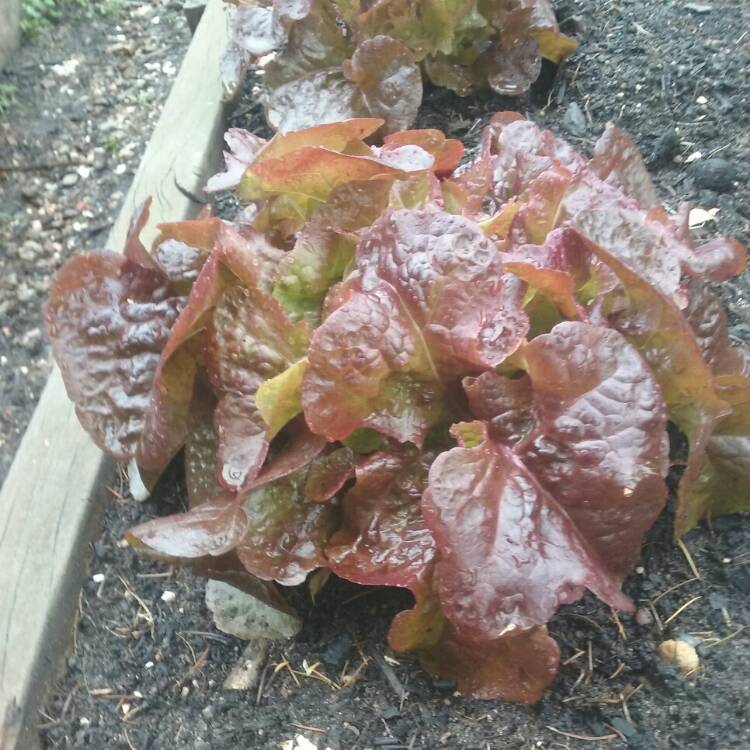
pixel 146 672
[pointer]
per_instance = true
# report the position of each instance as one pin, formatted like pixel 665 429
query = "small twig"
pixel 127 739
pixel 575 656
pixel 727 638
pixel 261 683
pixel 210 636
pixel 681 609
pixel 620 628
pixel 148 614
pixel 583 737
pixel 391 678
pixel 306 727
pixel 686 552
pixel 674 588
pixel 657 619
pixel 619 733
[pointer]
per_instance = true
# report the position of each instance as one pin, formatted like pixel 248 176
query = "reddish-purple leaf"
pixel 328 474
pixel 212 528
pixel 617 161
pixel 389 80
pixel 384 540
pixel 167 420
pixel 449 279
pixel 708 320
pixel 718 259
pixel 286 533
pixel 556 269
pixel 510 554
pixel 178 261
pixel 243 150
pixel 242 443
pixel 200 452
pixel 368 368
pixel 511 69
pixel 446 151
pixel 599 446
pixel 108 319
pixel 134 249
pixel 250 340
pixel 504 403
pixel 300 448
pixel 518 667
pixel 716 480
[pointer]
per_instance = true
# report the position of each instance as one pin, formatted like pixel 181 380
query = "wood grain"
pixel 50 499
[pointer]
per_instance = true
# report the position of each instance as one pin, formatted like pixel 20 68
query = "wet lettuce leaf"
pixel 327 60
pixel 451 378
pixel 433 302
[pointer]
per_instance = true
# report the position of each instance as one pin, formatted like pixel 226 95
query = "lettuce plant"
pixel 451 378
pixel 328 60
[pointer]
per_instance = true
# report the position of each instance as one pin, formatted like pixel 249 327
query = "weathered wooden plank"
pixel 49 499
pixel 10 19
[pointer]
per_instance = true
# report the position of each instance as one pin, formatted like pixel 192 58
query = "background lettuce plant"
pixel 451 379
pixel 329 60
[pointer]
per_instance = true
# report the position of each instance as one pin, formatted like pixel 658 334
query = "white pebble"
pixel 97 577
pixel 168 596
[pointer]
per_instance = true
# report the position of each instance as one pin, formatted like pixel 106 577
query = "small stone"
pixel 35 229
pixel 643 616
pixel 30 250
pixel 97 577
pixel 25 293
pixel 624 727
pixel 701 100
pixel 740 579
pixel 246 672
pixel 666 147
pixel 574 121
pixel 713 174
pixel 168 596
pixel 30 193
pixel 69 179
pixel 83 721
pixel 444 684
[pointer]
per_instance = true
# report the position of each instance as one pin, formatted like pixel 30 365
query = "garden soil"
pixel 147 664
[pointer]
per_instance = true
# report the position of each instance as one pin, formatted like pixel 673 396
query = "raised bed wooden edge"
pixel 50 501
